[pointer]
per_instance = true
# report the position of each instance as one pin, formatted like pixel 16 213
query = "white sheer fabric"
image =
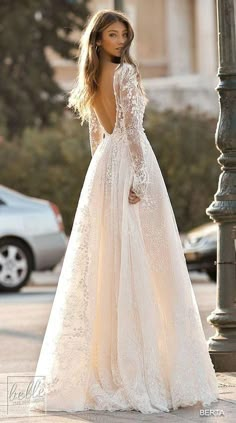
pixel 124 331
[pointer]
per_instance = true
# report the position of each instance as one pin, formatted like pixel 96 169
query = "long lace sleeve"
pixel 95 131
pixel 132 104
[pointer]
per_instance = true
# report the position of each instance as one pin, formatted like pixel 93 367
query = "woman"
pixel 124 331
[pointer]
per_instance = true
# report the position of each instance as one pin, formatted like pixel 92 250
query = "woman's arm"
pixel 95 131
pixel 133 118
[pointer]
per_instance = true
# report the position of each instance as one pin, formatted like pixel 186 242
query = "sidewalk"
pixel 222 411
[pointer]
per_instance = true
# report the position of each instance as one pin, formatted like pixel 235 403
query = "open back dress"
pixel 124 332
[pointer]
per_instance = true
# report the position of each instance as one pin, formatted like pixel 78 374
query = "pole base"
pixel 223 362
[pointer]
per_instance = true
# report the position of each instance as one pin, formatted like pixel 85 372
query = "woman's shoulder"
pixel 127 67
pixel 127 70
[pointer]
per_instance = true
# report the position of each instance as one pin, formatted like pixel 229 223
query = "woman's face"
pixel 113 40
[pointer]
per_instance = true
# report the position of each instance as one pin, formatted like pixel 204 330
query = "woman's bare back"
pixel 105 102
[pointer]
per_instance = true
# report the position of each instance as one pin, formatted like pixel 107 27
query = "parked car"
pixel 200 246
pixel 32 237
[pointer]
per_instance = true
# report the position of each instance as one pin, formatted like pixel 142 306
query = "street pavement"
pixel 24 317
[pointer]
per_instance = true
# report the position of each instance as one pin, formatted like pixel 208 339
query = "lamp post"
pixel 119 5
pixel 222 346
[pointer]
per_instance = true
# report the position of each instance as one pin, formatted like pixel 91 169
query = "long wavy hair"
pixel 82 95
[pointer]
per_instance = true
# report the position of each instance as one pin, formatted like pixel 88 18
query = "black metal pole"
pixel 222 346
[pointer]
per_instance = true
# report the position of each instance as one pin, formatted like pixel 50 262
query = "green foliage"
pixel 185 149
pixel 49 164
pixel 29 93
pixel 52 163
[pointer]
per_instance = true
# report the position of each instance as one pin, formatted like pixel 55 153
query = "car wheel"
pixel 16 264
pixel 212 274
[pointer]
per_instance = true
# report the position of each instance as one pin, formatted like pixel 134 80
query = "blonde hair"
pixel 82 95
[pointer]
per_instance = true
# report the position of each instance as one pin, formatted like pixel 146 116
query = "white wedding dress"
pixel 124 331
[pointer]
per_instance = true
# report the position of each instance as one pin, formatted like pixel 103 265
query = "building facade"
pixel 175 46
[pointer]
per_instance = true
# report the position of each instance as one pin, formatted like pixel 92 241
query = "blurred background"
pixel 45 152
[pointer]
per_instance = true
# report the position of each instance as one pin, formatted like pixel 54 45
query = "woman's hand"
pixel 133 199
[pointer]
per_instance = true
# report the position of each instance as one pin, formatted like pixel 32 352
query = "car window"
pixel 2 203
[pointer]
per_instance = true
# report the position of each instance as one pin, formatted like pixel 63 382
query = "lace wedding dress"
pixel 124 331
